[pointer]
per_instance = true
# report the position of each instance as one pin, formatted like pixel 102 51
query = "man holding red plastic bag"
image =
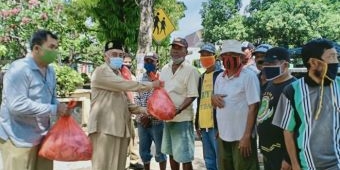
pixel 29 100
pixel 181 83
pixel 150 129
pixel 110 119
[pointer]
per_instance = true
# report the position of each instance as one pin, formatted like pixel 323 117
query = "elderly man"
pixel 29 100
pixel 181 80
pixel 236 98
pixel 110 119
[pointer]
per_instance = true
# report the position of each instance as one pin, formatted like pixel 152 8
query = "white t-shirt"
pixel 241 92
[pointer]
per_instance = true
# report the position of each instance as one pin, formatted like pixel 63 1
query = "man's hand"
pixel 245 146
pixel 296 167
pixel 145 121
pixel 285 165
pixel 62 110
pixel 158 83
pixel 217 100
pixel 178 111
pixel 198 131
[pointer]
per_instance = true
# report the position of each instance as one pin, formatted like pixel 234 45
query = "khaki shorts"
pixel 15 158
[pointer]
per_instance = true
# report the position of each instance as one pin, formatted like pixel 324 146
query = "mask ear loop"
pixel 322 91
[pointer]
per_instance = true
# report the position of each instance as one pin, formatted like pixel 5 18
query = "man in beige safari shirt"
pixel 109 122
pixel 181 83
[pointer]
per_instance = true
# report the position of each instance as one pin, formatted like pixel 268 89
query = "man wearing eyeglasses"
pixel 110 119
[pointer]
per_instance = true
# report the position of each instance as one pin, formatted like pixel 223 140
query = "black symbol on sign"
pixel 163 25
pixel 155 23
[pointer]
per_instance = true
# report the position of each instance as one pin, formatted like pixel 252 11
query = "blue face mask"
pixel 149 67
pixel 116 63
pixel 218 66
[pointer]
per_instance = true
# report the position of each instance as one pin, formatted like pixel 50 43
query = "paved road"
pixel 198 163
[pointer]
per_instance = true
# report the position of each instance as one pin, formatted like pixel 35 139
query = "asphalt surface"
pixel 198 163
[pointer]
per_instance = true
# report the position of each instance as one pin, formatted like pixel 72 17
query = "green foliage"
pixel 293 23
pixel 288 23
pixel 20 20
pixel 260 5
pixel 115 20
pixel 85 78
pixel 67 80
pixel 216 14
pixel 119 20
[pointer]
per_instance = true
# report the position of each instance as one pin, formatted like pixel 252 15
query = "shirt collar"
pixel 31 62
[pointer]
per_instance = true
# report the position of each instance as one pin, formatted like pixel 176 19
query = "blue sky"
pixel 192 20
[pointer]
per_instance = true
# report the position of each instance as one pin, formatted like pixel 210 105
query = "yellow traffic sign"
pixel 162 26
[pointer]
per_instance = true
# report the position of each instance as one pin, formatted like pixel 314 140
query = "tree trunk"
pixel 145 33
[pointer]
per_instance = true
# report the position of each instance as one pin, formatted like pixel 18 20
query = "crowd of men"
pixel 252 98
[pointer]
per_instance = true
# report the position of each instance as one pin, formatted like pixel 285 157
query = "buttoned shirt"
pixel 110 107
pixel 180 85
pixel 29 99
pixel 141 99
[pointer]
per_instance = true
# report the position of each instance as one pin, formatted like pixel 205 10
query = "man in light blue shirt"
pixel 29 100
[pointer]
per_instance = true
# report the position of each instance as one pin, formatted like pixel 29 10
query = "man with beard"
pixel 236 97
pixel 308 110
pixel 181 81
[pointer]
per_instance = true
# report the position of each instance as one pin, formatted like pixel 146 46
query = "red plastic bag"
pixel 159 103
pixel 66 141
pixel 127 75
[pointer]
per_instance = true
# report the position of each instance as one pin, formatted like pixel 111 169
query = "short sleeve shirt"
pixel 180 85
pixel 240 92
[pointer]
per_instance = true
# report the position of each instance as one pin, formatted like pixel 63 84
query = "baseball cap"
pixel 247 45
pixel 263 48
pixel 232 46
pixel 180 41
pixel 208 47
pixel 277 53
pixel 151 55
pixel 113 45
